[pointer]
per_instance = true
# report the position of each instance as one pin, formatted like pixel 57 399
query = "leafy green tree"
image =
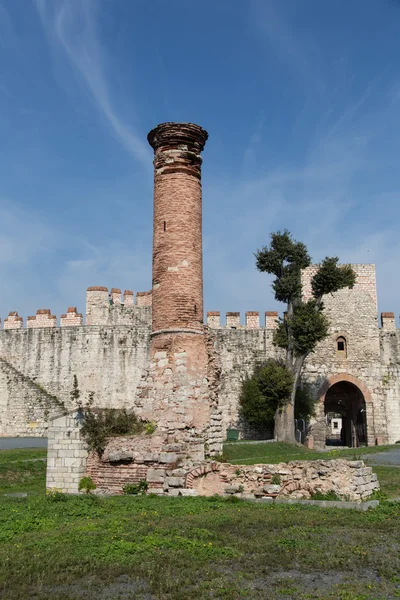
pixel 266 390
pixel 304 323
pixel 263 392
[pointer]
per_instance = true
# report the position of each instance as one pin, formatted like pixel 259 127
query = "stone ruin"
pixel 180 382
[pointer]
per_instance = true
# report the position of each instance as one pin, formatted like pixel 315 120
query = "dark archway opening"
pixel 345 415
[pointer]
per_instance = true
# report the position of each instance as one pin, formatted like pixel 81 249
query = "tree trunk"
pixel 284 429
pixel 284 424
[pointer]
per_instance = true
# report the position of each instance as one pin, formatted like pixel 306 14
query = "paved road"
pixel 22 442
pixel 391 457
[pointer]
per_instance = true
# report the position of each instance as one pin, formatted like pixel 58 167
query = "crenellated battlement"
pixel 13 321
pixel 100 303
pixel 43 318
pixel 102 308
pixel 72 318
pixel 144 298
pixel 388 321
pixel 252 320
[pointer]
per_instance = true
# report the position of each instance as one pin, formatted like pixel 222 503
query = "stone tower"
pixel 177 236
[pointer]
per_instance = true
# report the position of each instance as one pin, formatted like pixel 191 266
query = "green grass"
pixel 149 548
pixel 276 452
pixel 23 471
pixel 389 479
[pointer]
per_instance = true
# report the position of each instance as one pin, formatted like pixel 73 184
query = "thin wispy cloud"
pixel 298 51
pixel 72 28
pixel 304 134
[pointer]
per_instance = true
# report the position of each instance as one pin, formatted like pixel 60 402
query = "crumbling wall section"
pixel 178 390
pixel 163 463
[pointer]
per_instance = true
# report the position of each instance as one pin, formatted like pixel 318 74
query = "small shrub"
pixel 237 472
pixel 331 495
pixel 55 496
pixel 241 489
pixel 276 479
pixel 75 393
pixel 99 425
pixel 135 489
pixel 87 485
pixel 150 427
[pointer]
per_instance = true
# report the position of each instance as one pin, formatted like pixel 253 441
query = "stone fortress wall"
pixel 155 354
pixel 157 357
pixel 38 362
pixel 110 353
pixel 371 360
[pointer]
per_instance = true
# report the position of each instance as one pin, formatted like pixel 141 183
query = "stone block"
pixel 178 472
pixel 67 453
pixel 232 489
pixel 158 491
pixel 370 486
pixel 271 488
pixel 80 453
pixel 168 457
pixel 72 462
pixel 187 492
pixel 155 476
pixel 175 481
pixel 173 447
pixel 355 464
pixel 151 457
pixel 118 456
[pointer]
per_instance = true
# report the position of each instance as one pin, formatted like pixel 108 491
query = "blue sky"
pixel 301 101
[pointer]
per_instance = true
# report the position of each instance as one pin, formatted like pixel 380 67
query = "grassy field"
pixel 23 471
pixel 149 548
pixel 276 452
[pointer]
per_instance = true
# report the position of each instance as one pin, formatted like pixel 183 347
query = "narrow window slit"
pixel 341 347
pixel 165 225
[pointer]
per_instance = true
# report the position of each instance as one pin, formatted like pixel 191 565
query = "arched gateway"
pixel 346 403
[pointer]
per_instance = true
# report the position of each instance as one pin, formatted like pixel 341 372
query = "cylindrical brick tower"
pixel 177 236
